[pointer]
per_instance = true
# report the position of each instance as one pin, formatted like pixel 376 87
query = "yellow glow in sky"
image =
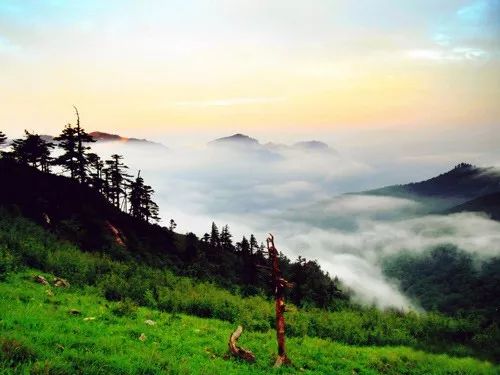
pixel 243 65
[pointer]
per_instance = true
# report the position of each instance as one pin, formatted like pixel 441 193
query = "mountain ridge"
pixel 462 183
pixel 240 139
pixel 109 137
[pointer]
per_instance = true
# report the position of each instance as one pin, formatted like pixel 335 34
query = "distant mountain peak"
pixel 108 137
pixel 312 145
pixel 102 136
pixel 464 167
pixel 238 138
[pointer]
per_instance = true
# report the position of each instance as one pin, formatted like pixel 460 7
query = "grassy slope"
pixel 62 343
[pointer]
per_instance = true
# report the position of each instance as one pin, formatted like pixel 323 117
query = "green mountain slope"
pixel 24 244
pixel 462 183
pixel 79 214
pixel 123 276
pixel 40 336
pixel 489 204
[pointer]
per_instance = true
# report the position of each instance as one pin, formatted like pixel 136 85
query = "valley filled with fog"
pixel 297 191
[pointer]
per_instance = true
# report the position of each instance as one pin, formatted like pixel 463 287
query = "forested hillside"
pixel 92 228
pixel 78 213
pixel 449 280
pixel 462 183
pixel 489 204
pixel 28 247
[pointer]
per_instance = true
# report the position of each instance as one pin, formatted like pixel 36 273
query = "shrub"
pixel 114 287
pixel 7 262
pixel 15 352
pixel 127 308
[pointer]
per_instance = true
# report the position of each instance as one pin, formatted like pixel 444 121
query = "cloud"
pixel 228 102
pixel 355 255
pixel 296 194
pixel 455 54
pixel 469 34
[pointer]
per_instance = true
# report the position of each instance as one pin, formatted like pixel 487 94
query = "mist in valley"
pixel 298 194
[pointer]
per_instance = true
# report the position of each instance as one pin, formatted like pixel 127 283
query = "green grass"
pixel 39 336
pixel 25 244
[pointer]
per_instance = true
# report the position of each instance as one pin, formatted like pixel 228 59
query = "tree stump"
pixel 237 351
pixel 40 280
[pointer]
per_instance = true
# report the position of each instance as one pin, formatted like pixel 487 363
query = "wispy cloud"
pixel 465 35
pixel 6 46
pixel 476 11
pixel 228 102
pixel 455 54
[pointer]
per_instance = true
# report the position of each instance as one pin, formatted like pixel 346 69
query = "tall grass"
pixel 24 244
pixel 39 336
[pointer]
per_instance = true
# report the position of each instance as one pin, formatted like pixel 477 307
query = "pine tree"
pixel 141 203
pixel 82 137
pixel 136 197
pixel 151 208
pixel 254 246
pixel 214 236
pixel 96 166
pixel 172 225
pixel 32 150
pixel 68 142
pixel 205 238
pixel 226 241
pixel 3 138
pixel 245 246
pixel 116 179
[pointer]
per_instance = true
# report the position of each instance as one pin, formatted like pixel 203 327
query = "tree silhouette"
pixel 141 203
pixel 3 138
pixel 245 246
pixel 214 236
pixel 107 177
pixel 115 179
pixel 254 246
pixel 226 241
pixel 151 208
pixel 136 197
pixel 81 149
pixel 96 167
pixel 172 225
pixel 68 160
pixel 205 238
pixel 32 150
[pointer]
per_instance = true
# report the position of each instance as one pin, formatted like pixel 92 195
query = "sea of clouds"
pixel 298 195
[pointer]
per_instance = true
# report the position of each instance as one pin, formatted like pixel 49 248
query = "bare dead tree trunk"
pixel 237 351
pixel 81 166
pixel 279 285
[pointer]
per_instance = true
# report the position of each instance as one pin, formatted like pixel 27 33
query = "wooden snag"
pixel 279 285
pixel 237 351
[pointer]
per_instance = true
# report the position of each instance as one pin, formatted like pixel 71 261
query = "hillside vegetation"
pixel 131 284
pixel 144 299
pixel 81 215
pixel 488 204
pixel 451 281
pixel 462 183
pixel 48 330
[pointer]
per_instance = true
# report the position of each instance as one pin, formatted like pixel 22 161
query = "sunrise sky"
pixel 146 67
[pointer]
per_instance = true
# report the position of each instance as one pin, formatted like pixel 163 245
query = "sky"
pixel 400 90
pixel 160 68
